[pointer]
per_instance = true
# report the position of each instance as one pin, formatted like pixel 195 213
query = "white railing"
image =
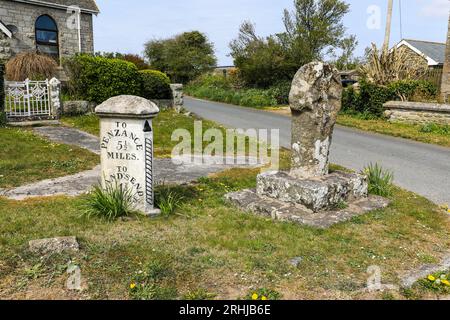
pixel 31 98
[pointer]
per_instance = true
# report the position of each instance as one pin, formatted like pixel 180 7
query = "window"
pixel 47 36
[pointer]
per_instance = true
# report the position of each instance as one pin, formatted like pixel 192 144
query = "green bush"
pixel 155 85
pixel 219 88
pixel 97 79
pixel 168 199
pixel 418 90
pixel 369 99
pixel 280 92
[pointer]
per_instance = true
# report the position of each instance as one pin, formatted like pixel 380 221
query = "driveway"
pixel 419 167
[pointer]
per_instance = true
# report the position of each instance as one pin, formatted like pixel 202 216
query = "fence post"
pixel 55 103
pixel 2 95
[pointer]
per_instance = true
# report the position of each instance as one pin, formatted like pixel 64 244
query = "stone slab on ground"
pixel 70 136
pixel 318 193
pixel 53 245
pixel 409 279
pixel 249 200
pixel 165 170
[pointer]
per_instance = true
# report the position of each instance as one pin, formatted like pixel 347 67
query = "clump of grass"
pixel 380 180
pixel 110 203
pixel 168 199
pixel 436 128
pixel 30 65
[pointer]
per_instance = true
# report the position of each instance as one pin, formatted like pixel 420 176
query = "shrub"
pixel 380 180
pixel 97 79
pixel 219 88
pixel 280 92
pixel 110 203
pixel 420 90
pixel 33 66
pixel 371 97
pixel 155 85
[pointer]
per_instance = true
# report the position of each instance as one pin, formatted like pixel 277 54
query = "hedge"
pixel 155 85
pixel 2 96
pixel 97 79
pixel 370 98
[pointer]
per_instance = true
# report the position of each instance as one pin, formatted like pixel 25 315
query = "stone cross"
pixel 315 100
pixel 126 141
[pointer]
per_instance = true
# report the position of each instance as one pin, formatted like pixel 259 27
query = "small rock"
pixel 295 262
pixel 53 245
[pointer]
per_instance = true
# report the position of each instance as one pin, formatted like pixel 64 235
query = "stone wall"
pixel 23 16
pixel 417 113
pixel 5 48
pixel 445 88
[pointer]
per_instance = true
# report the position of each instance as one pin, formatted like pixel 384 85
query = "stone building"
pixel 445 87
pixel 431 53
pixel 49 26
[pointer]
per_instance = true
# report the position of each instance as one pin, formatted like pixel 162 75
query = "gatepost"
pixel 126 141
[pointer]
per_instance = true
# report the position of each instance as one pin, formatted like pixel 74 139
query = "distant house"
pixel 47 26
pixel 433 53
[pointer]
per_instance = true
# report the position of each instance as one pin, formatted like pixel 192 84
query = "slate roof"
pixel 89 5
pixel 433 50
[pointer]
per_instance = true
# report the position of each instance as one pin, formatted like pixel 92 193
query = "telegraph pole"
pixel 387 36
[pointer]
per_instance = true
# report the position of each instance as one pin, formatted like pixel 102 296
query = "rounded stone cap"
pixel 126 106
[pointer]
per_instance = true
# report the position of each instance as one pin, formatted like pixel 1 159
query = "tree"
pixel 312 31
pixel 346 61
pixel 261 62
pixel 183 57
pixel 136 59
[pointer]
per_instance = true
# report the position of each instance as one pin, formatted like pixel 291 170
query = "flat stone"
pixel 316 194
pixel 70 136
pixel 249 200
pixel 53 245
pixel 165 171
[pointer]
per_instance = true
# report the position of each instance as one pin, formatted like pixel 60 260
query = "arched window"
pixel 47 36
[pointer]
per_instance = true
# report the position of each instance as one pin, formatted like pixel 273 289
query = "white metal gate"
pixel 27 99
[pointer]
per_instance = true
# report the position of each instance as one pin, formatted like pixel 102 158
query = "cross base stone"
pixel 316 194
pixel 249 200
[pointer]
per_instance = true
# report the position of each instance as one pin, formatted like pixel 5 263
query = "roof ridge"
pixel 426 41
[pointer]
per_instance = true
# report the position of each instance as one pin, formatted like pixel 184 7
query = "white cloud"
pixel 435 8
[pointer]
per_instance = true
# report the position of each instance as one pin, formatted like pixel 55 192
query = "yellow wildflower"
pixel 132 285
pixel 431 278
pixel 446 282
pixel 255 296
pixel 264 298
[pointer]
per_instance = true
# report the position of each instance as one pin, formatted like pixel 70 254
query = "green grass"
pixel 27 158
pixel 212 247
pixel 428 134
pixel 164 124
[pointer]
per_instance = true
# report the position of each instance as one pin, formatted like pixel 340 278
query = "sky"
pixel 125 26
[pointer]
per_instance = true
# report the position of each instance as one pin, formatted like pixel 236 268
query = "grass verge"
pixel 27 158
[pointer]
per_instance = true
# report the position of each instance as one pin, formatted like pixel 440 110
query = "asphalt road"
pixel 419 167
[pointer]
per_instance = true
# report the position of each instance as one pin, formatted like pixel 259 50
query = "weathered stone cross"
pixel 315 100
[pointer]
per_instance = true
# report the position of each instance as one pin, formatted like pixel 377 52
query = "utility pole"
pixel 387 36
